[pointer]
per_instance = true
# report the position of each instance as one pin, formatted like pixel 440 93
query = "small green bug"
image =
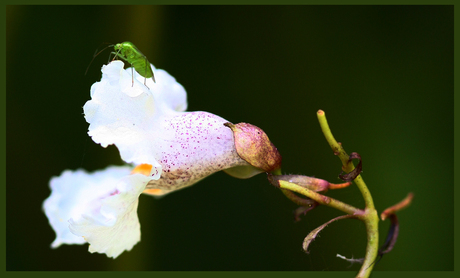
pixel 129 52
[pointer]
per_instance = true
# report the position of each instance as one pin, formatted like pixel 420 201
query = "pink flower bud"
pixel 314 184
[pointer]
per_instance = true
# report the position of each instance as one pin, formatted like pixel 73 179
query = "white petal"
pixel 129 116
pixel 167 91
pixel 74 192
pixel 112 225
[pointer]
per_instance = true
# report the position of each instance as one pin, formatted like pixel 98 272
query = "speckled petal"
pixel 198 145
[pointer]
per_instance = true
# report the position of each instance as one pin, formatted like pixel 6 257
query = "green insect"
pixel 129 52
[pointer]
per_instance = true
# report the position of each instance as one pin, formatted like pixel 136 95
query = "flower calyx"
pixel 252 145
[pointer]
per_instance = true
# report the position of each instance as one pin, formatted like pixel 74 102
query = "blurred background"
pixel 382 74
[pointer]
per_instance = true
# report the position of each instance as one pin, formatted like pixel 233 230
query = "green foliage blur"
pixel 382 74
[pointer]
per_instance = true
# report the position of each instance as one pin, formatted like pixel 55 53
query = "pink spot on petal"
pixel 115 192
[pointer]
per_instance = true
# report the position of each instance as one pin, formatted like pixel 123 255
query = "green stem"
pixel 344 157
pixel 322 199
pixel 370 217
pixel 290 195
pixel 371 220
pixel 277 172
pixel 303 202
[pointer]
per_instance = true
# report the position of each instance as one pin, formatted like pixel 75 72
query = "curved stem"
pixel 370 217
pixel 344 157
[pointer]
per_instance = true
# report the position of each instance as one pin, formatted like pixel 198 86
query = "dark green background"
pixel 382 74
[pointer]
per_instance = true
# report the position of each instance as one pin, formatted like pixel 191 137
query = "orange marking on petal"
pixel 143 169
pixel 154 191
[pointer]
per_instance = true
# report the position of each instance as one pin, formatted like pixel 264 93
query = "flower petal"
pixel 101 208
pixel 198 145
pixel 113 226
pixel 72 193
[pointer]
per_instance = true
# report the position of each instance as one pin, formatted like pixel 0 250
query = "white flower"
pixel 170 149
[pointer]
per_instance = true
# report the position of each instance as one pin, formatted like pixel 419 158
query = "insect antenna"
pixel 97 53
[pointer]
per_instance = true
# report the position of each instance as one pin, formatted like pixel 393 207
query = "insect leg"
pixel 147 65
pixel 132 75
pixel 145 78
pixel 116 54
